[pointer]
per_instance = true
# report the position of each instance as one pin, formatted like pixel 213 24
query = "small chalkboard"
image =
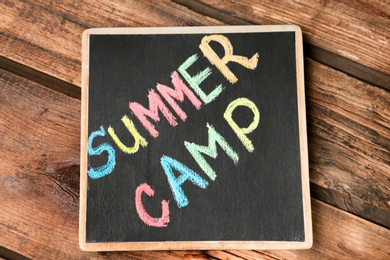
pixel 194 138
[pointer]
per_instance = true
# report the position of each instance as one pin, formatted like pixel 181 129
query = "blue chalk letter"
pixel 103 170
pixel 175 183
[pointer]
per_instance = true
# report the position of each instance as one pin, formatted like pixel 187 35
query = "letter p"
pixel 242 132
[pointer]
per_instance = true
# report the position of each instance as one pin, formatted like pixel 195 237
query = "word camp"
pixel 149 117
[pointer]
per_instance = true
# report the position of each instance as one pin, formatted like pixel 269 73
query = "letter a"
pixel 175 183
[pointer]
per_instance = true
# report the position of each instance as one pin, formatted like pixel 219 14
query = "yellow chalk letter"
pixel 138 139
pixel 221 63
pixel 241 132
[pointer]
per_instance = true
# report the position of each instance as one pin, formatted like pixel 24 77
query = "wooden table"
pixel 347 77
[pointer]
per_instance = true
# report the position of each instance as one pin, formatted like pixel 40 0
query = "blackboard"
pixel 194 138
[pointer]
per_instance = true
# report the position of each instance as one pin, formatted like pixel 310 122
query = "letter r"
pixel 221 63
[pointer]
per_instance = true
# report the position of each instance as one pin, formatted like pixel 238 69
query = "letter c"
pixel 144 216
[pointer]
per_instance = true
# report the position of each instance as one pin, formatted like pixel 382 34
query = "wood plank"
pixel 349 142
pixel 46 35
pixel 347 66
pixel 7 254
pixel 39 131
pixel 340 27
pixel 196 256
pixel 40 77
pixel 241 254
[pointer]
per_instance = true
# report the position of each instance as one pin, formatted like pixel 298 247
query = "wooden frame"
pixel 196 245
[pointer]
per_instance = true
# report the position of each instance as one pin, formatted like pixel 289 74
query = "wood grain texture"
pixel 347 66
pixel 349 142
pixel 6 254
pixel 40 77
pixel 357 30
pixel 46 35
pixel 348 124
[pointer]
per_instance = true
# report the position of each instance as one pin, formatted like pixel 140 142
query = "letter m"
pixel 178 93
pixel 155 104
pixel 211 150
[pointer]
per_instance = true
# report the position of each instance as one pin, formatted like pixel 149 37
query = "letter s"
pixel 103 170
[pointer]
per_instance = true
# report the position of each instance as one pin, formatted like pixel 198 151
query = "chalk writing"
pixel 168 165
pixel 241 132
pixel 221 63
pixel 199 78
pixel 176 172
pixel 103 170
pixel 180 90
pixel 210 150
pixel 144 216
pixel 155 105
pixel 138 139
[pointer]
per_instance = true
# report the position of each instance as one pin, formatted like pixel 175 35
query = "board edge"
pixel 194 29
pixel 84 139
pixel 197 245
pixel 304 154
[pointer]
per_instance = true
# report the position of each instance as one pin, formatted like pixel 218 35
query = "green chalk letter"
pixel 210 150
pixel 194 81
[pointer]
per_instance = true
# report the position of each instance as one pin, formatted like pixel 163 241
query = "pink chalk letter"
pixel 155 104
pixel 144 216
pixel 178 93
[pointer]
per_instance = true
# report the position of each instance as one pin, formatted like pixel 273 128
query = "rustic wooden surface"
pixel 347 69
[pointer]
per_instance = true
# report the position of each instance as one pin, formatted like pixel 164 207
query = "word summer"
pixel 149 117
